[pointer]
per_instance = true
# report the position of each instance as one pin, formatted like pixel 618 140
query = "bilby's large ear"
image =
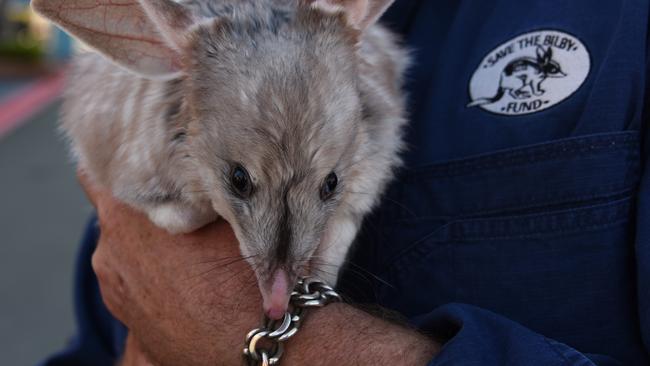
pixel 361 13
pixel 144 36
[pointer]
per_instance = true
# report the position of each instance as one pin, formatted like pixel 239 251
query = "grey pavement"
pixel 7 86
pixel 42 213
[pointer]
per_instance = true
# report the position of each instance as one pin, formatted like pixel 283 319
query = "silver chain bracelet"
pixel 310 292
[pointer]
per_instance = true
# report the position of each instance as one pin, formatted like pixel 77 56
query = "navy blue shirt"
pixel 519 231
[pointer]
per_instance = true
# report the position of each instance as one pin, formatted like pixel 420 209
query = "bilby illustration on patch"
pixel 530 73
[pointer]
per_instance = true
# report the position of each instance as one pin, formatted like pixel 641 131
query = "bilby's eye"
pixel 240 181
pixel 329 186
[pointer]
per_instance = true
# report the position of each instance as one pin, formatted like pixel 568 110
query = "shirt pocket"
pixel 535 233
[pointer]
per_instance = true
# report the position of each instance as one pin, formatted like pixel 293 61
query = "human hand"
pixel 191 299
pixel 186 299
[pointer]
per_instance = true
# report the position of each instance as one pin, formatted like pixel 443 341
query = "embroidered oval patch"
pixel 530 73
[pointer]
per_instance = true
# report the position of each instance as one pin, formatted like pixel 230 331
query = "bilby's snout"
pixel 276 292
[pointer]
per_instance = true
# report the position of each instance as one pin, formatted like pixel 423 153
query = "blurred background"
pixel 42 209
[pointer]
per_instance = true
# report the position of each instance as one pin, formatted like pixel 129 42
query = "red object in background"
pixel 18 107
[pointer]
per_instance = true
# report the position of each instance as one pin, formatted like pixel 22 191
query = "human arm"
pixel 191 299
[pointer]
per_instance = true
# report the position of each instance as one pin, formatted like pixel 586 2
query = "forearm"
pixel 198 310
pixel 340 334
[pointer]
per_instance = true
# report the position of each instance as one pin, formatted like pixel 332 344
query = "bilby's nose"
pixel 276 294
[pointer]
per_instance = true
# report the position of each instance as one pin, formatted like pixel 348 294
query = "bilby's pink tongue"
pixel 276 302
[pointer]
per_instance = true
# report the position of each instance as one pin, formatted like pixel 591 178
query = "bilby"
pixel 284 117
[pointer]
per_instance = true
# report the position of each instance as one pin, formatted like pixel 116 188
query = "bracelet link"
pixel 309 292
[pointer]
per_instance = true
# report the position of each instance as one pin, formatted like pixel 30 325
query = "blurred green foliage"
pixel 20 40
pixel 29 50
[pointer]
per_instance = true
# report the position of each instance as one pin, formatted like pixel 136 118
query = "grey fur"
pixel 290 92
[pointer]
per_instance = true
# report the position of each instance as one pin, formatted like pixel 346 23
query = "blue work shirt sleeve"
pixel 99 338
pixel 473 336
